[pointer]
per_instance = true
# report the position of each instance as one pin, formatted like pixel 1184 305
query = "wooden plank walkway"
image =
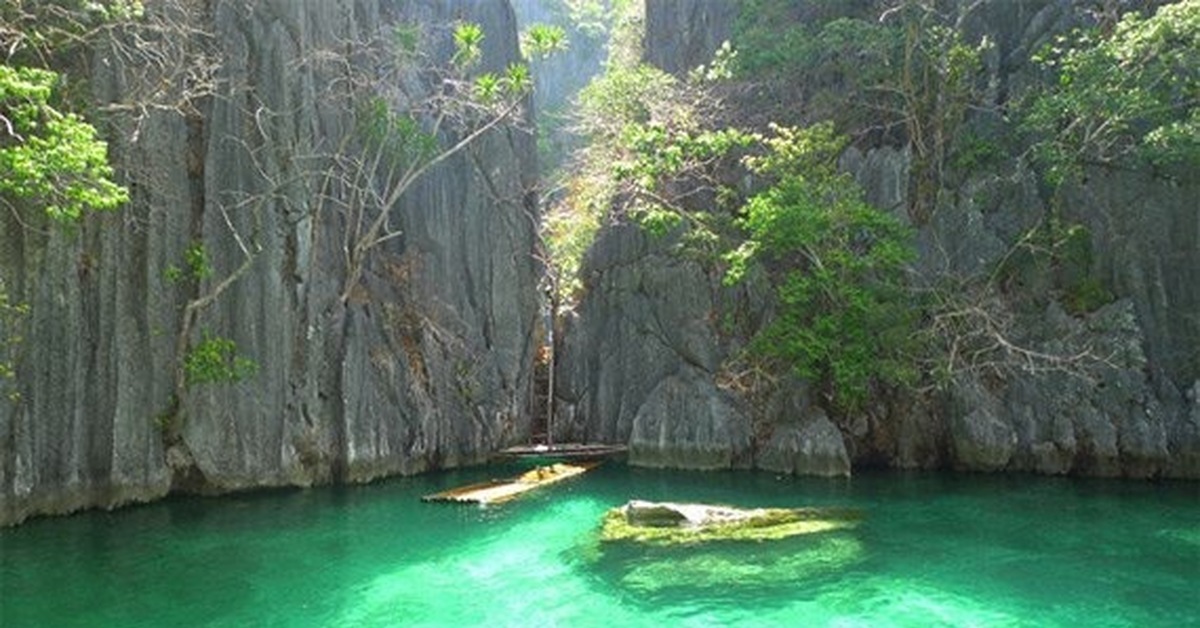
pixel 497 491
pixel 562 452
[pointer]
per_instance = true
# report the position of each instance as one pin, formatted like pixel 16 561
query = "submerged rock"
pixel 669 523
pixel 737 572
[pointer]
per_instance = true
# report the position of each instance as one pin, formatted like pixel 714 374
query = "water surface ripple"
pixel 932 550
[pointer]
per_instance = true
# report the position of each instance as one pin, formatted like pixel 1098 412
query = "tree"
pixel 1127 96
pixel 645 134
pixel 659 155
pixel 50 158
pixel 898 71
pixel 410 114
pixel 843 313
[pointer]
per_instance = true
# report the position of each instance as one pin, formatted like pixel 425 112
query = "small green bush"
pixel 215 360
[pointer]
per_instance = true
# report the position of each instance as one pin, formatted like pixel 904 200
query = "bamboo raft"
pixel 497 491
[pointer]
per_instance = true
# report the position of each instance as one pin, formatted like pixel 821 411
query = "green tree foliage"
pixel 1127 97
pixel 606 107
pixel 214 360
pixel 48 157
pixel 839 53
pixel 52 160
pixel 468 42
pixel 396 138
pixel 542 40
pixel 645 131
pixel 901 72
pixel 589 17
pixel 197 265
pixel 844 317
pixel 626 93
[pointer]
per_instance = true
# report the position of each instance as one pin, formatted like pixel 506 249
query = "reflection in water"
pixel 930 550
pixel 736 571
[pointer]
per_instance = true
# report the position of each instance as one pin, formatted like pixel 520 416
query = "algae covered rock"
pixel 735 572
pixel 669 523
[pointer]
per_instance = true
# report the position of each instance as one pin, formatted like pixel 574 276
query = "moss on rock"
pixel 729 524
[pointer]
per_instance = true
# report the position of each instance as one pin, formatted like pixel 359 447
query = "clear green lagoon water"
pixel 933 550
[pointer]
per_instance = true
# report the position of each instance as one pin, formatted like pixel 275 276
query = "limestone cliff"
pixel 426 365
pixel 682 35
pixel 641 363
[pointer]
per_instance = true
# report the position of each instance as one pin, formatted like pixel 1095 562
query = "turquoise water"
pixel 932 550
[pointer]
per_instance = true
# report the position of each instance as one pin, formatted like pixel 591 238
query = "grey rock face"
pixel 1106 424
pixel 814 447
pixel 639 366
pixel 78 421
pixel 1146 237
pixel 802 440
pixel 1184 437
pixel 427 365
pixel 644 320
pixel 980 439
pixel 687 423
pixel 684 34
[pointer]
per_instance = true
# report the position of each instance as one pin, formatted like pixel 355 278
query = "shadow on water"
pixel 758 574
pixel 719 574
pixel 123 567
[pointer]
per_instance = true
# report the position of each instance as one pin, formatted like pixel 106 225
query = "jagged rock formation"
pixel 684 34
pixel 427 365
pixel 645 376
pixel 646 332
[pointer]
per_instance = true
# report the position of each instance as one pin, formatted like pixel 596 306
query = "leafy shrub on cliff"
pixel 645 131
pixel 836 52
pixel 619 98
pixel 658 155
pixel 897 72
pixel 49 157
pixel 843 314
pixel 1126 97
pixel 215 359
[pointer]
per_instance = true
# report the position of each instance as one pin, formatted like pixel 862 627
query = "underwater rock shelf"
pixel 668 523
pixel 496 491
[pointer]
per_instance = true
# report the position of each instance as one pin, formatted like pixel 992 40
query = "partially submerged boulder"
pixel 670 523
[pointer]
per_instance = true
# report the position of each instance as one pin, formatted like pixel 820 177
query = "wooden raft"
pixel 496 491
